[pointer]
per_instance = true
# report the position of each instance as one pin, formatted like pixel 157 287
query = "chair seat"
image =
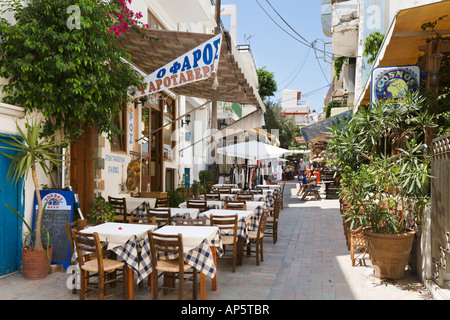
pixel 109 265
pixel 170 266
pixel 227 240
pixel 253 235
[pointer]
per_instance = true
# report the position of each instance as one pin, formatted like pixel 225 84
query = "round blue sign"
pixel 393 84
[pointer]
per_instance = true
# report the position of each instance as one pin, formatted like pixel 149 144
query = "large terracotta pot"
pixel 389 253
pixel 36 264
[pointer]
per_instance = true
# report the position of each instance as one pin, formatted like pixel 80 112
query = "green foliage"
pixel 339 62
pixel 371 46
pixel 205 176
pixel 28 151
pixel 385 167
pixel 267 83
pixel 71 75
pixel 176 197
pixel 334 104
pixel 101 211
pixel 275 120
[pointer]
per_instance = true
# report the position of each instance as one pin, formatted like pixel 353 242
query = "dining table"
pixel 210 204
pixel 127 241
pixel 201 245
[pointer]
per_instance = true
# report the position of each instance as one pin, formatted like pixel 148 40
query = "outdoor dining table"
pixel 201 244
pixel 269 186
pixel 125 240
pixel 211 204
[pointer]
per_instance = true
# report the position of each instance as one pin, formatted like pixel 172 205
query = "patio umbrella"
pixel 253 150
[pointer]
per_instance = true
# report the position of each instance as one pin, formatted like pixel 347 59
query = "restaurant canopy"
pixel 253 150
pixel 401 44
pixel 235 84
pixel 319 131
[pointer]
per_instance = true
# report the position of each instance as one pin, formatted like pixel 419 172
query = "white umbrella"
pixel 253 150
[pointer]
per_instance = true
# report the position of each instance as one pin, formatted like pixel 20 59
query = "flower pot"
pixel 389 253
pixel 36 264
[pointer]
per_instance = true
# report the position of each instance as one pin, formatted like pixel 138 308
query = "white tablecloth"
pixel 192 235
pixel 117 234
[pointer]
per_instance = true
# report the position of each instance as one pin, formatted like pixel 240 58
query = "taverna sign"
pixel 391 83
pixel 195 65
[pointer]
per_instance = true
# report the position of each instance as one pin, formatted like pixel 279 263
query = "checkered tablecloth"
pixel 140 210
pixel 200 257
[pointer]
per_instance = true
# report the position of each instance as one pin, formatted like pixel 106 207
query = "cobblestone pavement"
pixel 310 261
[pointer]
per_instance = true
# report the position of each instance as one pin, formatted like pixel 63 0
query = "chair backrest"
pixel 227 224
pixel 166 246
pixel 224 190
pixel 236 205
pixel 247 197
pixel 212 196
pixel 120 207
pixel 262 187
pixel 88 244
pixel 162 202
pixel 190 221
pixel 76 225
pixel 256 191
pixel 161 216
pixel 262 222
pixel 197 204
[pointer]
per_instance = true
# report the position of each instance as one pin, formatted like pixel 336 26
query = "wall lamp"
pixel 187 120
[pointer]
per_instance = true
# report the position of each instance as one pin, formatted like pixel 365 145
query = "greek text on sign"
pixel 195 65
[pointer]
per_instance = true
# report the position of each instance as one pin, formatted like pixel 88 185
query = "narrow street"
pixel 310 261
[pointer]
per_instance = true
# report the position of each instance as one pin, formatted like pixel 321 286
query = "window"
pixel 118 140
pixel 153 22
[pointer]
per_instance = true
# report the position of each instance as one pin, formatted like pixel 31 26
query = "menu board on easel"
pixel 58 211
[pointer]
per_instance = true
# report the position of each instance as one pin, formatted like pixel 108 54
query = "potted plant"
pixel 31 151
pixel 385 178
pixel 101 211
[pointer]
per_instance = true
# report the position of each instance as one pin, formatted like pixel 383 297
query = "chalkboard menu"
pixel 58 211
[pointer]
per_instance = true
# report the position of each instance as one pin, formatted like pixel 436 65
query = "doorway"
pixel 10 224
pixel 82 169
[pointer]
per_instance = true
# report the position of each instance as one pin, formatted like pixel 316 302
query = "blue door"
pixel 10 224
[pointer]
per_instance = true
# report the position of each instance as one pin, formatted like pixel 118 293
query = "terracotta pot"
pixel 36 264
pixel 389 253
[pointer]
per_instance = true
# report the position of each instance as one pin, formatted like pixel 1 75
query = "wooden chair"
pixel 162 216
pixel 212 196
pixel 120 207
pixel 76 225
pixel 197 204
pixel 143 220
pixel 271 227
pixel 246 197
pixel 235 205
pixel 99 267
pixel 257 237
pixel 255 191
pixel 358 246
pixel 223 190
pixel 190 222
pixel 162 202
pixel 228 229
pixel 282 195
pixel 160 246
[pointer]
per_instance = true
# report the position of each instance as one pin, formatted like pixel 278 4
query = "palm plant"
pixel 30 152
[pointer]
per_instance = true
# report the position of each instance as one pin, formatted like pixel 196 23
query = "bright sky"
pixel 284 52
